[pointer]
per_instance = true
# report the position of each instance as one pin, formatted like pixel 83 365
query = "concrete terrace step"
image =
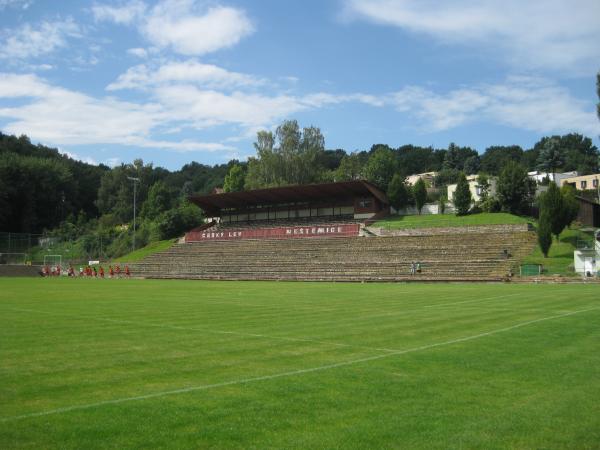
pixel 451 257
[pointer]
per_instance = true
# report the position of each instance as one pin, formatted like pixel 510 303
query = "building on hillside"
pixel 589 212
pixel 583 182
pixel 427 177
pixel 539 177
pixel 475 188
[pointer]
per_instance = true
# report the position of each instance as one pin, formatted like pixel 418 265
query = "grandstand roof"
pixel 213 203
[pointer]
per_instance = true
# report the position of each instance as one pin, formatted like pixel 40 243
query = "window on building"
pixel 478 190
pixel 583 184
pixel 365 203
pixel 595 182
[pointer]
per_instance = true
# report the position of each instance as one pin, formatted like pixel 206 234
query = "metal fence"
pixel 14 245
pixel 18 242
pixel 529 270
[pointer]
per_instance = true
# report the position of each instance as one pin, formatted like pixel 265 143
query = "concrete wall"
pixel 457 230
pixel 9 270
pixel 428 208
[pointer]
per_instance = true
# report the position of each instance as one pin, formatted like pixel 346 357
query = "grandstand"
pixel 321 233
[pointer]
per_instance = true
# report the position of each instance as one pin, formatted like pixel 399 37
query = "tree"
pixel 420 194
pixel 290 156
pixel 484 184
pixel 115 194
pixel 462 196
pixel 544 233
pixel 456 157
pixel 495 157
pixel 37 192
pixel 177 221
pixel 472 164
pixel 187 190
pixel 577 152
pixel 551 204
pixel 551 156
pixel 398 193
pixel 515 188
pixel 413 159
pixel 580 153
pixel 442 202
pixel 570 204
pixel 159 200
pixel 446 177
pixel 331 159
pixel 235 179
pixel 351 167
pixel 381 167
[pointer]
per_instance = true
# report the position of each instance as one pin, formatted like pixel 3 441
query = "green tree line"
pixel 42 189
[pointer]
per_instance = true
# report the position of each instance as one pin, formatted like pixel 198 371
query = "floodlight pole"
pixel 135 180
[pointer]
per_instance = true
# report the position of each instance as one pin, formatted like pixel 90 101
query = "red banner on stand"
pixel 316 231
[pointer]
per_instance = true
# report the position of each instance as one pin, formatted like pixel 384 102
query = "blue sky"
pixel 174 81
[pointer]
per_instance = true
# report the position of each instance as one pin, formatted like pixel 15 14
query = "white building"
pixel 539 177
pixel 427 177
pixel 587 261
pixel 475 188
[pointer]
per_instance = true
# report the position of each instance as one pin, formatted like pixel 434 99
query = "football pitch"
pixel 192 364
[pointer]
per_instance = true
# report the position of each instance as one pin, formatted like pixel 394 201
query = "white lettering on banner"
pixel 309 231
pixel 305 231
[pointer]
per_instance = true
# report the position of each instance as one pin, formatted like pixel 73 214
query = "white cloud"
pixel 321 99
pixel 178 24
pixel 112 162
pixel 27 41
pixel 59 116
pixel 208 108
pixel 75 156
pixel 535 34
pixel 187 27
pixel 206 75
pixel 526 103
pixel 63 117
pixel 139 52
pixel 124 14
pixel 23 4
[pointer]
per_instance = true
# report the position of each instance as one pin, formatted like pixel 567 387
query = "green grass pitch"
pixel 121 364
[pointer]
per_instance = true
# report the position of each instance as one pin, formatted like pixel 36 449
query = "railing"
pixel 585 244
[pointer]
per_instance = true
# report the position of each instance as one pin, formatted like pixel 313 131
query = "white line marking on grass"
pixel 206 330
pixel 473 300
pixel 287 374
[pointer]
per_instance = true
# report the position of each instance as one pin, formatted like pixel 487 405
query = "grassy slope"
pixel 449 220
pixel 149 249
pixel 79 342
pixel 560 256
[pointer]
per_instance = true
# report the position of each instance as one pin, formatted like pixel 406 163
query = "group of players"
pixel 88 271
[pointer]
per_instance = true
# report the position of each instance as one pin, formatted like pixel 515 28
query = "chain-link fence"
pixel 25 248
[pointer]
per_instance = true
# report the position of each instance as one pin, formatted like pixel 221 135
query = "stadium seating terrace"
pixel 320 232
